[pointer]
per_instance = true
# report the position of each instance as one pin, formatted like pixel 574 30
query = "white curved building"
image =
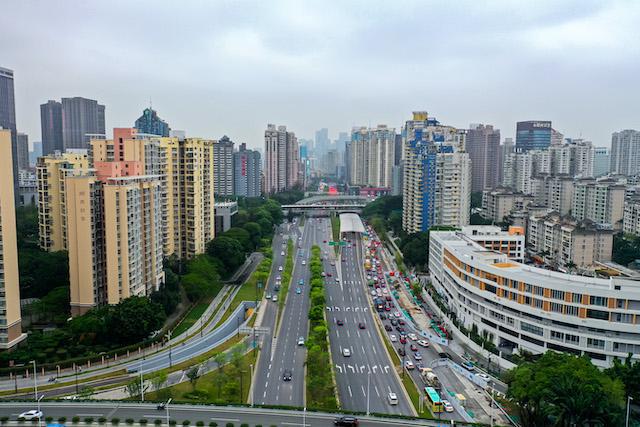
pixel 522 307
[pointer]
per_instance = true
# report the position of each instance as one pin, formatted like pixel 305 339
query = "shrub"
pixel 157 422
pixel 229 424
pixel 185 423
pixel 4 420
pixel 244 425
pixel 142 421
pixel 200 423
pixel 102 420
pixel 20 420
pixel 129 421
pixel 62 420
pixel 115 421
pixel 213 424
pixel 88 420
pixel 48 419
pixel 173 422
pixel 75 420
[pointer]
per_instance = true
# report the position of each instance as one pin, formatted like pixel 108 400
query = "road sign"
pixel 332 243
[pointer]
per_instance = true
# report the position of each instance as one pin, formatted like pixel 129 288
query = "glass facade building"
pixel 533 135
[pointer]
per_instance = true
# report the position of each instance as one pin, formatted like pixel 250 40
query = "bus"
pixel 433 398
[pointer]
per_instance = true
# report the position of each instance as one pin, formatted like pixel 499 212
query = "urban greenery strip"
pixel 335 229
pixel 286 277
pixel 320 390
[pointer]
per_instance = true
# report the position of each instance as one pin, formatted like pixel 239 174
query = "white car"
pixel 373 292
pixel 274 298
pixel 423 343
pixel 301 341
pixel 282 253
pixel 280 268
pixel 337 280
pixel 397 314
pixel 31 415
pixel 412 336
pixel 409 365
pixel 346 352
pixel 393 338
pixel 484 377
pixel 304 262
pixel 393 398
pixel 447 406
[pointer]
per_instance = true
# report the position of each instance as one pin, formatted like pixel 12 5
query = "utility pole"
pixel 368 388
pixel 169 343
pixel 166 405
pixel 141 383
pixel 629 399
pixel 35 381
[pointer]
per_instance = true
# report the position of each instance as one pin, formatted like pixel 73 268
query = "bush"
pixel 88 420
pixel 115 421
pixel 102 420
pixel 75 420
pixel 173 422
pixel 200 423
pixel 185 423
pixel 142 421
pixel 129 421
pixel 4 420
pixel 244 425
pixel 157 422
pixel 230 425
pixel 62 420
pixel 48 420
pixel 213 424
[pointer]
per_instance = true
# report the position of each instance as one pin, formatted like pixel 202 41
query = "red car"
pixel 403 340
pixel 387 308
pixel 401 322
pixel 414 347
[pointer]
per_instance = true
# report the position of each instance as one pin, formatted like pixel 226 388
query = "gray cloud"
pixel 230 67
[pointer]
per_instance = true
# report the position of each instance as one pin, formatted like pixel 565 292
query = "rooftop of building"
pixel 351 223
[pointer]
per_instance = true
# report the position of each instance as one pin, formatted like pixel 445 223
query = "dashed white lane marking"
pixel 349 388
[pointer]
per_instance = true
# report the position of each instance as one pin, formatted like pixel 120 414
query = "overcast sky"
pixel 230 67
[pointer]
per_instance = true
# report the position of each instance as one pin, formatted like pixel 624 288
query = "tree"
pixel 629 373
pixel 476 199
pixel 133 388
pixel 193 374
pixel 228 250
pixel 220 359
pixel 477 219
pixel 255 233
pixel 159 380
pixel 415 248
pixel 133 319
pixel 241 235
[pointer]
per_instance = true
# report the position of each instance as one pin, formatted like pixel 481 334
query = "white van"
pixel 393 398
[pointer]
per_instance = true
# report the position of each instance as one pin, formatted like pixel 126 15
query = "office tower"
pixel 151 124
pixel 372 156
pixel 51 126
pixel 81 118
pixel 599 201
pixel 601 161
pixel 22 141
pixel 330 162
pixel 533 135
pixel 625 152
pixel 322 142
pixel 223 166
pixel 347 161
pixel 437 174
pixel 524 309
pixel 282 159
pixel 246 172
pixel 10 320
pixel 8 119
pixel 483 146
pixel 51 174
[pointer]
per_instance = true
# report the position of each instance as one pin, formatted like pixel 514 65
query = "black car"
pixel 383 316
pixel 399 329
pixel 444 355
pixel 388 328
pixel 401 351
pixel 287 375
pixel 345 421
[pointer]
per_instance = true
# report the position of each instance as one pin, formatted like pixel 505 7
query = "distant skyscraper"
pixel 8 118
pixel 51 126
pixel 601 162
pixel 246 171
pixel 625 152
pixel 23 151
pixel 223 166
pixel 35 153
pixel 151 124
pixel 282 159
pixel 533 135
pixel 372 156
pixel 81 117
pixel 322 141
pixel 483 146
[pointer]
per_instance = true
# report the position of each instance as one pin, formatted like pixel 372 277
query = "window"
pixel 595 343
pixel 601 301
pixel 597 314
pixel 555 294
pixel 528 327
pixel 577 298
pixel 571 310
pixel 556 307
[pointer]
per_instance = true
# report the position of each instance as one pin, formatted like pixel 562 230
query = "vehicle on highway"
pixel 31 415
pixel 286 376
pixel 409 365
pixel 278 279
pixel 394 322
pixel 383 316
pixel 484 377
pixel 346 352
pixel 337 280
pixel 298 291
pixel 373 292
pixel 417 355
pixel 401 322
pixel 361 325
pixel 345 421
pixel 300 340
pixel 412 336
pixel 269 296
pixel 323 274
pixel 423 343
pixel 280 268
pixel 413 347
pixel 340 322
pixel 403 339
pixel 393 338
pixel 393 398
pixel 397 314
pixel 333 263
pixel 282 253
pixel 388 328
pixel 304 262
pixel 400 328
pixel 468 366
pixel 274 298
pixel 401 351
pixel 301 282
pixel 277 287
pixel 447 406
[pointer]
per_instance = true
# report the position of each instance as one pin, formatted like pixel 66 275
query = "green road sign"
pixel 332 243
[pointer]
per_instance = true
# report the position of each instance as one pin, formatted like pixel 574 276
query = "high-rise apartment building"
pixel 601 161
pixel 553 191
pixel 22 141
pixel 600 201
pixel 518 169
pixel 151 124
pixel 282 159
pixel 631 221
pixel 10 318
pixel 372 154
pixel 533 135
pixel 51 126
pixel 625 152
pixel 8 119
pixel 51 174
pixel 246 172
pixel 483 146
pixel 223 166
pixel 437 175
pixel 507 147
pixel 81 118
pixel 575 158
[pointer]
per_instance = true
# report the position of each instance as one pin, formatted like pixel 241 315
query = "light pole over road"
pixel 629 399
pixel 169 342
pixel 166 406
pixel 39 414
pixel 35 381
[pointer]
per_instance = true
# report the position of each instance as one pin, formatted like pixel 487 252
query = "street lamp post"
pixel 39 414
pixel 629 399
pixel 368 388
pixel 169 343
pixel 251 382
pixel 304 416
pixel 35 381
pixel 166 406
pixel 141 383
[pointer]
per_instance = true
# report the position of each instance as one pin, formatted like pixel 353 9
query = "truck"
pixel 429 378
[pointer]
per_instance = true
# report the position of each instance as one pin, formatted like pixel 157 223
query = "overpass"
pixel 324 208
pixel 331 199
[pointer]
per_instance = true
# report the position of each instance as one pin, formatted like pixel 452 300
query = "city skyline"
pixel 241 55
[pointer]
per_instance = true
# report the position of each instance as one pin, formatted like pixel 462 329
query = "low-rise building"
pixel 500 202
pixel 511 242
pixel 224 211
pixel 524 308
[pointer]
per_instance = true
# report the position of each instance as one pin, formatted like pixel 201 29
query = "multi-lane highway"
pixel 281 354
pixel 365 377
pixel 193 413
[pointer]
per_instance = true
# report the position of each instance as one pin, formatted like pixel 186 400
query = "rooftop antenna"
pixel 150 104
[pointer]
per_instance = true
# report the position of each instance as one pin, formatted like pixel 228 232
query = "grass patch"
pixel 248 290
pixel 335 228
pixel 191 318
pixel 287 274
pixel 414 395
pixel 229 384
